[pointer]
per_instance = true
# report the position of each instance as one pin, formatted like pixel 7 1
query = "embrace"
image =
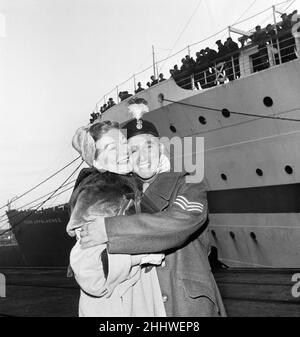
pixel 142 244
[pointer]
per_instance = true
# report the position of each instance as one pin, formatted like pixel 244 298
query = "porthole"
pixel 226 113
pixel 161 98
pixel 173 129
pixel 288 169
pixel 259 172
pixel 223 176
pixel 202 120
pixel 268 102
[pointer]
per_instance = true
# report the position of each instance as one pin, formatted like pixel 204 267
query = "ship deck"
pixel 45 292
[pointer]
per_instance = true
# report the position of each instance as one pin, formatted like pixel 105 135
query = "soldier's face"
pixel 144 152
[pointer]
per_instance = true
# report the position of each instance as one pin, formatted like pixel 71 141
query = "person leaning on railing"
pixel 201 65
pixel 161 77
pixel 183 76
pixel 153 80
pixel 211 56
pixel 234 53
pixel 286 38
pixel 223 52
pixel 139 88
pixel 260 61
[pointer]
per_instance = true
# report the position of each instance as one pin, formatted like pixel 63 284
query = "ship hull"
pixel 11 256
pixel 42 236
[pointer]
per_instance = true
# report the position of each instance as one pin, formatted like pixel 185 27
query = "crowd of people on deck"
pixel 153 82
pixel 212 67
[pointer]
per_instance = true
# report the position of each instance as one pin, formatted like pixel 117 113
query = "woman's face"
pixel 112 153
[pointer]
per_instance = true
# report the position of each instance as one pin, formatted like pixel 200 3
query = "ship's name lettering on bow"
pixel 38 221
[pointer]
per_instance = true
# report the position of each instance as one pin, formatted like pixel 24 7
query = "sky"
pixel 58 58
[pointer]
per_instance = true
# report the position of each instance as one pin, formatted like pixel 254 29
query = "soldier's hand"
pixel 93 233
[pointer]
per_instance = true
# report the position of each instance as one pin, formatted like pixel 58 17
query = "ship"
pixel 10 253
pixel 247 108
pixel 41 236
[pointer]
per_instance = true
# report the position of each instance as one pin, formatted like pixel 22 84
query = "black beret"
pixel 146 127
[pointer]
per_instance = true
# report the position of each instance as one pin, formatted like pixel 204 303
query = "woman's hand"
pixel 155 259
pixel 136 259
pixel 93 233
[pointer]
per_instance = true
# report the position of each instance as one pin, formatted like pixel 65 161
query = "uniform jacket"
pixel 173 220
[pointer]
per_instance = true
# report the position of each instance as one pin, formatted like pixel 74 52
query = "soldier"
pixel 176 69
pixel 161 77
pixel 190 61
pixel 173 221
pixel 125 95
pixel 286 22
pixel 286 39
pixel 183 76
pixel 271 34
pixel 234 52
pixel 183 64
pixel 222 51
pixel 175 73
pixel 260 38
pixel 110 102
pixel 211 56
pixel 272 38
pixel 223 59
pixel 154 80
pixel 199 57
pixel 139 88
pixel 201 68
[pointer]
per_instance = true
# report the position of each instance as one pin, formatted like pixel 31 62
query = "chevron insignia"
pixel 189 206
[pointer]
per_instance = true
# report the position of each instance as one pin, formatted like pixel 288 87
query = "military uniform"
pixel 173 221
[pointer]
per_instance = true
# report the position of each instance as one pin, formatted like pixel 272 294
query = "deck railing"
pixel 273 51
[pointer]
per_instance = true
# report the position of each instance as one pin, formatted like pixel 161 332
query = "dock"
pixel 47 292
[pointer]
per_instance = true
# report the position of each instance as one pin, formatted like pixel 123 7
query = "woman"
pixel 111 285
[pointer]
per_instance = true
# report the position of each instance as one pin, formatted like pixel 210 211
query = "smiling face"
pixel 112 153
pixel 144 155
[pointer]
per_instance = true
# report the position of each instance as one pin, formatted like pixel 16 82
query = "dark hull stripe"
pixel 265 199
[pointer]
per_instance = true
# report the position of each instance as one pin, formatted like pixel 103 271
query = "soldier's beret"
pixel 145 127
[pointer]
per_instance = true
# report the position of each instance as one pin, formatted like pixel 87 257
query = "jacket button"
pixel 164 298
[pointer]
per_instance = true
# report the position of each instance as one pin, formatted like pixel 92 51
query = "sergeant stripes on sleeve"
pixel 189 206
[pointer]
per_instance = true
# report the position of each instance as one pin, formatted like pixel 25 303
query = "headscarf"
pixel 84 144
